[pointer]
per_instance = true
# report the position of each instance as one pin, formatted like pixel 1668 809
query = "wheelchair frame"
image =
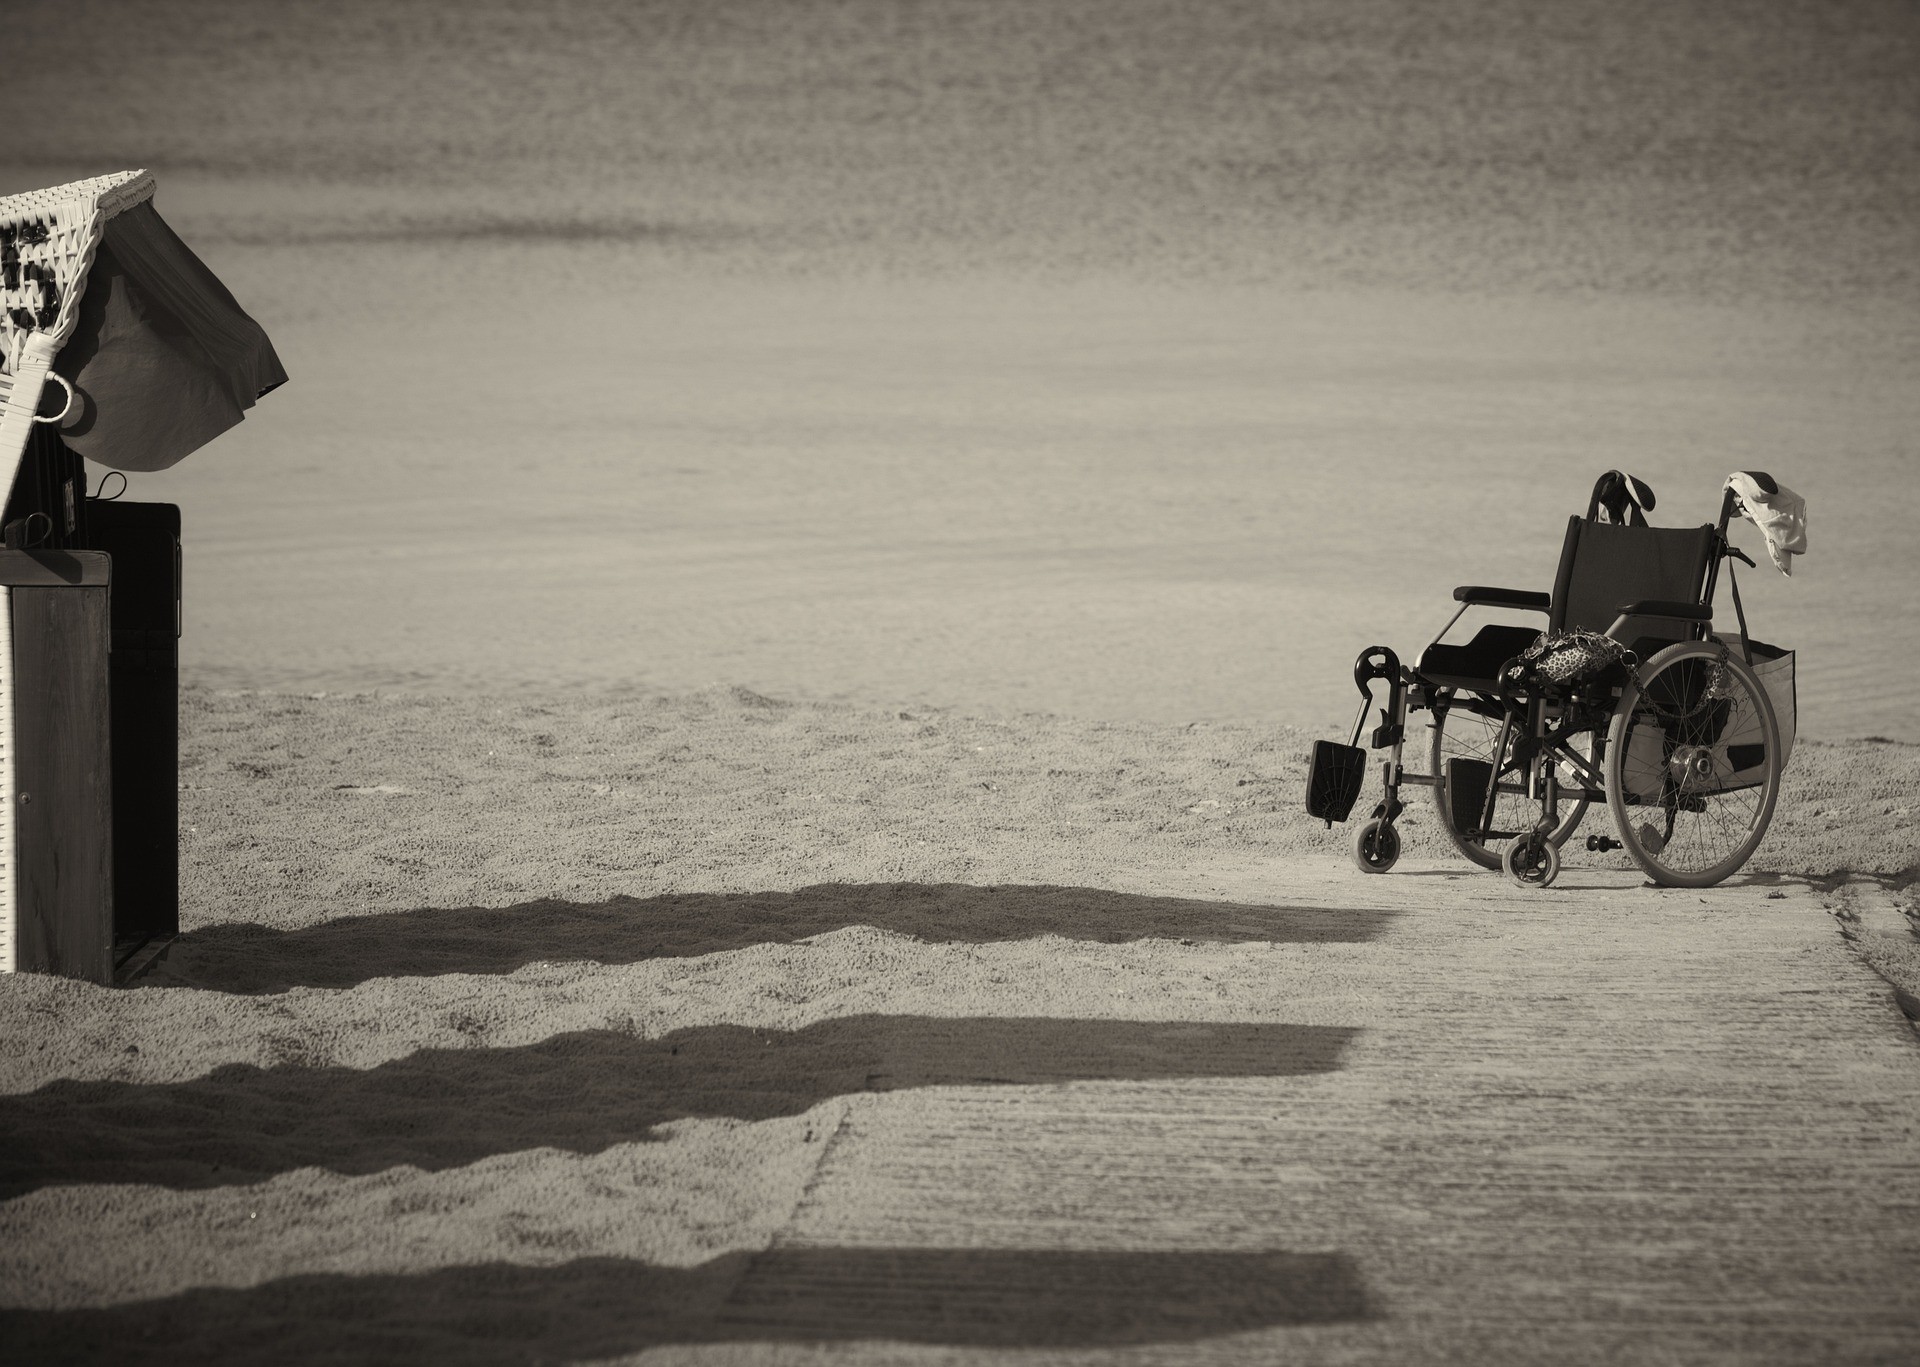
pixel 1537 725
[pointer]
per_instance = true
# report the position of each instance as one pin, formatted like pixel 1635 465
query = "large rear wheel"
pixel 1693 765
pixel 1459 732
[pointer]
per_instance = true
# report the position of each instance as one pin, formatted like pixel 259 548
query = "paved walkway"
pixel 1605 1123
pixel 1426 1118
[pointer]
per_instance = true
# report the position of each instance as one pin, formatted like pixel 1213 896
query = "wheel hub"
pixel 1691 764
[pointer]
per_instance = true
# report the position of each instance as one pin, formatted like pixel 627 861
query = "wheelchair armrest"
pixel 1651 607
pixel 1479 595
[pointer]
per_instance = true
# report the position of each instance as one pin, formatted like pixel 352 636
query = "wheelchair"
pixel 1665 722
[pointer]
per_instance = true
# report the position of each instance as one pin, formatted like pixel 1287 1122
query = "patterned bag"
pixel 1571 658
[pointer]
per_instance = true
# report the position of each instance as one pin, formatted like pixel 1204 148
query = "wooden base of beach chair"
pixel 56 775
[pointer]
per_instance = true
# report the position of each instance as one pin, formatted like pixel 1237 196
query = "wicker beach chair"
pixel 47 243
pixel 154 359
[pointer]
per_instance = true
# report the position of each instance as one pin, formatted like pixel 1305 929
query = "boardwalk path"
pixel 1421 1118
pixel 1606 1123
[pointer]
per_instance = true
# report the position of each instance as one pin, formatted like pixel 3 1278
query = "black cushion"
pixel 1476 664
pixel 1501 598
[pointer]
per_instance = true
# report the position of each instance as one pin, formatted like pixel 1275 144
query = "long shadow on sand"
pixel 353 949
pixel 584 1092
pixel 604 1307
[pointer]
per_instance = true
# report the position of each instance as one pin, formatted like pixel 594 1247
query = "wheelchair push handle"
pixel 1375 662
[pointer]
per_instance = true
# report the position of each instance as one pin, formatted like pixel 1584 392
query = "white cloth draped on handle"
pixel 1779 513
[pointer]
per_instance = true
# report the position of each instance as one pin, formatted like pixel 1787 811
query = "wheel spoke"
pixel 1689 814
pixel 1461 732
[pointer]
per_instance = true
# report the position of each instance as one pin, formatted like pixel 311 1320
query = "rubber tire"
pixel 1534 878
pixel 1480 854
pixel 1649 862
pixel 1376 846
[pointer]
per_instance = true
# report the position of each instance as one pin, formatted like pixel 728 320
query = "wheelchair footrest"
pixel 1335 773
pixel 1467 781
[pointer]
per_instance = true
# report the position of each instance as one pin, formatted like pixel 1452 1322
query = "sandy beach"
pixel 1106 498
pixel 511 1030
pixel 744 711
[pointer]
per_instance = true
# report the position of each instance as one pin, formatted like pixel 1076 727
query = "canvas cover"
pixel 162 359
pixel 1775 668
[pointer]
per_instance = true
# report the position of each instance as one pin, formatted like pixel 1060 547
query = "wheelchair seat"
pixel 1602 566
pixel 1475 665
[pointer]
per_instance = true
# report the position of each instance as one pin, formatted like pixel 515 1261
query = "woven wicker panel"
pixel 47 241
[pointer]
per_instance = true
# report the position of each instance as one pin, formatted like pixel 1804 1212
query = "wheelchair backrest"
pixel 1603 565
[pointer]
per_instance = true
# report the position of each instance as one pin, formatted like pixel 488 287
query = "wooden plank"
pixel 143 956
pixel 9 866
pixel 146 811
pixel 144 541
pixel 40 569
pixel 63 777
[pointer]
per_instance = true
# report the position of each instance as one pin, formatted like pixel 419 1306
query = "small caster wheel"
pixel 1376 846
pixel 1531 862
